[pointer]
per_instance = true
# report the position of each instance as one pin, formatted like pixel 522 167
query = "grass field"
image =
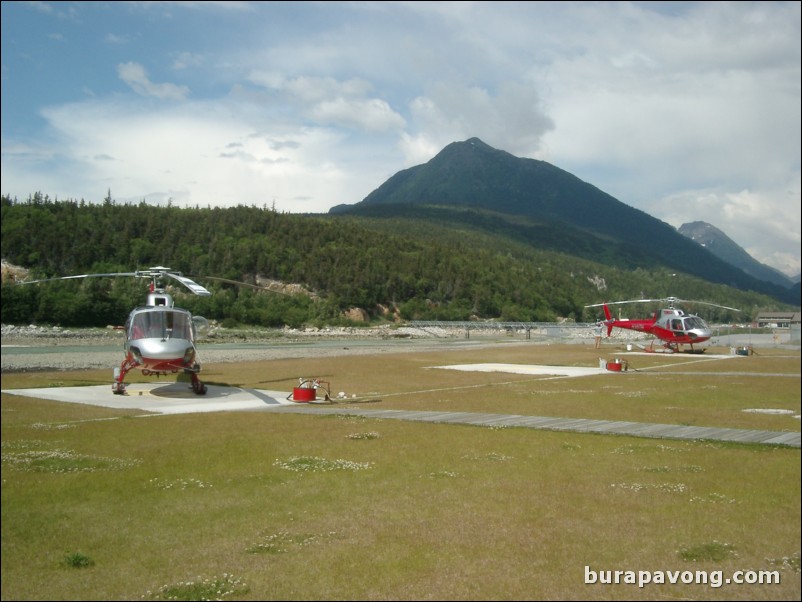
pixel 101 504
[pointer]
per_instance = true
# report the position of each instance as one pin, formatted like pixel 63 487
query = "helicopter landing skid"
pixel 678 348
pixel 118 386
pixel 197 386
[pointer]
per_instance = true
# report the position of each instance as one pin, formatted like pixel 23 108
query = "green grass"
pixel 77 560
pixel 259 506
pixel 214 588
pixel 714 551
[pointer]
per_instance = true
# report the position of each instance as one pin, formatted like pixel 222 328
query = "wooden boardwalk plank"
pixel 580 425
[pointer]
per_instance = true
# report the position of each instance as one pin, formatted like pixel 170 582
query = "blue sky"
pixel 687 111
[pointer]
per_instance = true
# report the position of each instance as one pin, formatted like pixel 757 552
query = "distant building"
pixel 777 319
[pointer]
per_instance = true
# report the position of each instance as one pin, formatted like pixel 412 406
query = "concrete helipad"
pixel 530 369
pixel 178 398
pixel 163 398
pixel 573 371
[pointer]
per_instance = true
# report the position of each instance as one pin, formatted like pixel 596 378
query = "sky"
pixel 688 111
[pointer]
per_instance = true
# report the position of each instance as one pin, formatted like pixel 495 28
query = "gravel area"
pixel 33 348
pixel 36 348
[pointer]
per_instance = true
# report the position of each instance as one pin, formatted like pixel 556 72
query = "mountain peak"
pixel 474 146
pixel 723 247
pixel 473 176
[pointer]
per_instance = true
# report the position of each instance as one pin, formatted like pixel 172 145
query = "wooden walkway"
pixel 577 425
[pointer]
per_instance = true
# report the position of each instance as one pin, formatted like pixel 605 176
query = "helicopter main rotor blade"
pixel 190 284
pixel 248 284
pixel 676 300
pixel 670 300
pixel 157 272
pixel 623 302
pixel 711 304
pixel 137 274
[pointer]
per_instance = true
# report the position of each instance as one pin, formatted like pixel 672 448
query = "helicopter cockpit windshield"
pixel 162 324
pixel 695 322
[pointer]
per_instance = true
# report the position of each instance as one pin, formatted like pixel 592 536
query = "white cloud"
pixel 366 114
pixel 687 111
pixel 512 119
pixel 193 154
pixel 327 101
pixel 136 77
pixel 755 220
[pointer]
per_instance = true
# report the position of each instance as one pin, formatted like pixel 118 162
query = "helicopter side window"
pixel 140 326
pixel 676 325
pixel 133 329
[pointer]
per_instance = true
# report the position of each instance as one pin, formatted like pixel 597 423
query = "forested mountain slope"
pixel 415 268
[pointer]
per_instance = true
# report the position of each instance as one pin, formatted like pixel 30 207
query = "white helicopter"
pixel 159 337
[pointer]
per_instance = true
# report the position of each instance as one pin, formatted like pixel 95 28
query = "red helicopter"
pixel 159 337
pixel 671 325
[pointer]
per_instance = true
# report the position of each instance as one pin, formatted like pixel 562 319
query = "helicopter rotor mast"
pixel 161 272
